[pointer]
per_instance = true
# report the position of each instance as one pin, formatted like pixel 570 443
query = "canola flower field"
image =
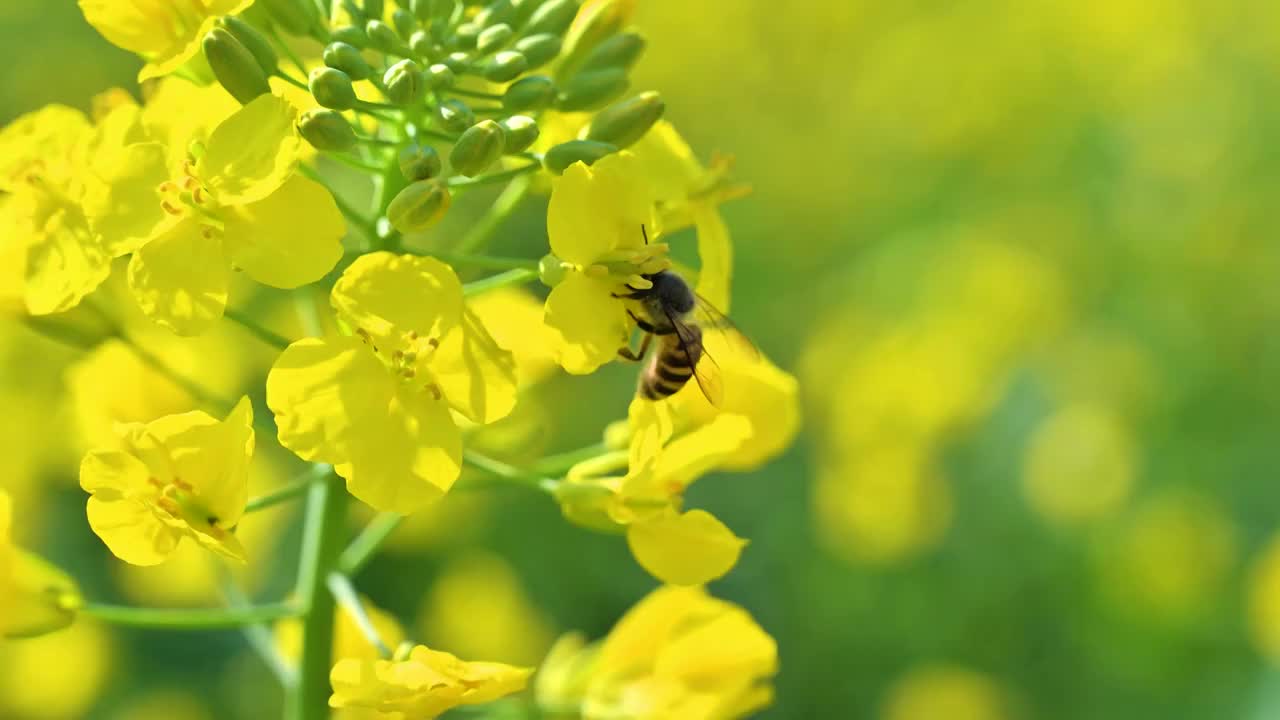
pixel 623 360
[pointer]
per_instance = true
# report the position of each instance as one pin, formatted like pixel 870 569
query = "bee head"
pixel 671 292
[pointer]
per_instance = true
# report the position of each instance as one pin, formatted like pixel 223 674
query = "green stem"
pixel 487 262
pixel 502 470
pixel 256 330
pixel 375 106
pixel 437 135
pixel 288 52
pixel 258 635
pixel 380 142
pixel 362 549
pixel 503 207
pixel 559 464
pixel 322 538
pixel 501 280
pixel 292 80
pixel 288 492
pixel 463 92
pixel 353 163
pixel 462 183
pixel 60 333
pixel 340 586
pixel 188 618
pixel 194 389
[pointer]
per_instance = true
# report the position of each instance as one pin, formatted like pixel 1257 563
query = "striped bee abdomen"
pixel 669 369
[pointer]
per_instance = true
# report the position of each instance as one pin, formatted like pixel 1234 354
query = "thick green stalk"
pixel 322 538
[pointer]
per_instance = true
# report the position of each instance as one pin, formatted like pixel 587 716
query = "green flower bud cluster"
pixel 431 67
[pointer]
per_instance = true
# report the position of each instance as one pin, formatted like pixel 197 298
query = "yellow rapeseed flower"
pixel 234 203
pixel 179 476
pixel 165 33
pixel 681 548
pixel 422 685
pixel 593 222
pixel 679 654
pixel 47 237
pixel 35 597
pixel 378 405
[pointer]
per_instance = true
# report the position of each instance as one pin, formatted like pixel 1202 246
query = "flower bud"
pixel 553 16
pixel 521 11
pixel 405 83
pixel 332 89
pixel 478 148
pixel 492 38
pixel 457 62
pixel 595 22
pixel 532 93
pixel 351 35
pixel 419 162
pixel 326 130
pixel 455 115
pixel 592 90
pixel 421 45
pixel 384 38
pixel 297 17
pixel 539 49
pixel 440 76
pixel 373 8
pixel 505 66
pixel 565 154
pixel 521 132
pixel 465 36
pixel 551 270
pixel 625 122
pixel 422 9
pixel 235 67
pixel 404 22
pixel 255 42
pixel 345 57
pixel 419 205
pixel 496 12
pixel 620 51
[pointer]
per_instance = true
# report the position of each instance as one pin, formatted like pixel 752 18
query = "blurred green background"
pixel 1022 257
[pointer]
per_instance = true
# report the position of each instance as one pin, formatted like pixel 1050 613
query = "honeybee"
pixel 677 316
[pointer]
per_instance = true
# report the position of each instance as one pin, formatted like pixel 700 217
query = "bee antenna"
pixel 644 234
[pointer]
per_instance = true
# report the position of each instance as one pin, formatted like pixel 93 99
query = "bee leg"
pixel 627 353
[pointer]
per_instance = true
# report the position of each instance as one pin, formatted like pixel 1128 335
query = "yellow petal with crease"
pixel 688 549
pixel 290 238
pixel 180 278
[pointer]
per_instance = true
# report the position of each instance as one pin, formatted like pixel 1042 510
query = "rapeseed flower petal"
pixel 180 279
pixel 166 34
pixel 586 323
pixel 262 236
pixel 251 153
pixel 692 548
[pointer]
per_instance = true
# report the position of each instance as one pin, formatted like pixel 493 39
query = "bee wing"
pixel 709 318
pixel 706 371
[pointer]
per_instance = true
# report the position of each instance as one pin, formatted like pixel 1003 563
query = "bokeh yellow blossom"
pixel 378 405
pixel 179 476
pixel 47 234
pixel 944 691
pixel 480 584
pixel 423 685
pixel 35 596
